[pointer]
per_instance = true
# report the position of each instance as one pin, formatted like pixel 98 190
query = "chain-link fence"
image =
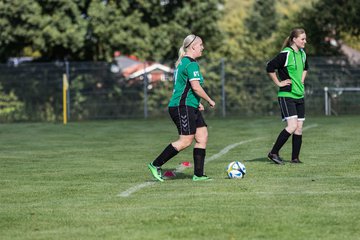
pixel 33 91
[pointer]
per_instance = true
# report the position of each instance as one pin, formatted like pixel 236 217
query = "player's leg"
pixel 288 113
pixel 297 135
pixel 169 152
pixel 182 119
pixel 199 152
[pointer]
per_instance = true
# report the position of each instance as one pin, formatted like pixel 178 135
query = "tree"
pixel 170 21
pixel 115 26
pixel 93 30
pixel 55 28
pixel 63 29
pixel 262 20
pixel 337 18
pixel 20 26
pixel 10 107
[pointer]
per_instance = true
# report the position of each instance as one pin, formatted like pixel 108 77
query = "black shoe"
pixel 275 158
pixel 295 160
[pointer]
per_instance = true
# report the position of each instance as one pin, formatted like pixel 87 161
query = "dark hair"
pixel 293 34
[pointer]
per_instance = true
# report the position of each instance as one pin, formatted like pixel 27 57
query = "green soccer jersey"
pixel 188 70
pixel 290 65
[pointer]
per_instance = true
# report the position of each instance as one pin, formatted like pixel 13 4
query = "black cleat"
pixel 275 158
pixel 295 160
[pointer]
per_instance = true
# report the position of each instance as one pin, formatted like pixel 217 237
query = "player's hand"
pixel 211 103
pixel 284 83
pixel 201 107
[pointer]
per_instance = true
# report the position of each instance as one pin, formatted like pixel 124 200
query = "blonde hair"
pixel 187 43
pixel 296 32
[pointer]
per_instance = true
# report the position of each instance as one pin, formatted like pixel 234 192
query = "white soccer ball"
pixel 236 170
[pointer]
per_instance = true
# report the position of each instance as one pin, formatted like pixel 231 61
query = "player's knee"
pixel 291 128
pixel 202 139
pixel 186 143
pixel 298 130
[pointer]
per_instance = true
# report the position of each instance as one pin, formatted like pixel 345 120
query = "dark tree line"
pixel 93 30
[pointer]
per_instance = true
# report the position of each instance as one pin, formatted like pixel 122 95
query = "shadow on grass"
pixel 264 159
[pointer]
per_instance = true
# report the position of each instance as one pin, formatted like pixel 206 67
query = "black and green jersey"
pixel 290 65
pixel 188 70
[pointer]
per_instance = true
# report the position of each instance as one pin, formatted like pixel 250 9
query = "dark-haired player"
pixel 291 65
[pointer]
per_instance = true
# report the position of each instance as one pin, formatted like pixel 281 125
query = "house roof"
pixel 125 62
pixel 131 68
pixel 155 66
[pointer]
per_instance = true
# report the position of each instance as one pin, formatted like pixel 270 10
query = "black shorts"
pixel 292 108
pixel 187 119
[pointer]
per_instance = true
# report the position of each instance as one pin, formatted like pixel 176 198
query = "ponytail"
pixel 293 34
pixel 181 55
pixel 187 43
pixel 287 43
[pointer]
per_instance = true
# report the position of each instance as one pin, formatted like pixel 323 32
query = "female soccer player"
pixel 291 65
pixel 185 110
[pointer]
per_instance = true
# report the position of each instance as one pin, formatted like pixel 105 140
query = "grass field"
pixel 89 180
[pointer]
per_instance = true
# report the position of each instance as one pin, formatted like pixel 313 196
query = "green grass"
pixel 63 182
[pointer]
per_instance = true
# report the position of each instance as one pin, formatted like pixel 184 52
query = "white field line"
pixel 228 148
pixel 135 189
pixel 310 126
pixel 181 168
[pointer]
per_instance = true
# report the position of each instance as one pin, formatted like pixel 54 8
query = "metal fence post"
pixel 326 91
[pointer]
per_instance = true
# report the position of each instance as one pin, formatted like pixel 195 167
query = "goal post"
pixel 328 91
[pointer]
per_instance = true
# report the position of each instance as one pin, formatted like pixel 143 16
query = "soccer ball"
pixel 236 170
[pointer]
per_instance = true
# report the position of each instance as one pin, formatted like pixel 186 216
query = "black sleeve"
pixel 277 62
pixel 306 67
